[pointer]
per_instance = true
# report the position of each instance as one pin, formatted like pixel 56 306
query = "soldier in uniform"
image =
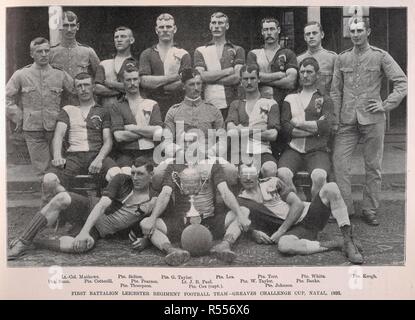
pixel 313 34
pixel 161 65
pixel 70 55
pixel 108 79
pixel 39 88
pixel 361 113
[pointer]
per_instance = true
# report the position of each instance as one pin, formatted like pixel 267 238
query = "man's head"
pixel 70 25
pixel 192 83
pixel 359 31
pixel 40 50
pixel 248 176
pixel 123 39
pixel 250 77
pixel 165 27
pixel 309 72
pixel 313 34
pixel 219 24
pixel 142 172
pixel 84 86
pixel 131 79
pixel 270 30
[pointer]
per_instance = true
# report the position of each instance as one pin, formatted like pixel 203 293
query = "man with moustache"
pixel 258 116
pixel 135 122
pixel 108 79
pixel 277 65
pixel 361 113
pixel 39 88
pixel 126 200
pixel 161 65
pixel 219 63
pixel 313 34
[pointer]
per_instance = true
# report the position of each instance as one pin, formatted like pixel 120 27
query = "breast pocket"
pixel 372 74
pixel 55 96
pixel 347 75
pixel 28 96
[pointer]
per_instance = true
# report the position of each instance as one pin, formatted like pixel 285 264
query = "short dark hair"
pixel 144 161
pixel 70 15
pixel 188 74
pixel 219 15
pixel 122 28
pixel 249 68
pixel 314 23
pixel 131 67
pixel 270 19
pixel 82 76
pixel 310 61
pixel 365 21
pixel 37 41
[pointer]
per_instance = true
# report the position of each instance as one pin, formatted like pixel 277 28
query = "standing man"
pixel 70 55
pixel 39 88
pixel 307 119
pixel 255 113
pixel 360 112
pixel 277 65
pixel 108 79
pixel 219 63
pixel 313 34
pixel 135 121
pixel 161 65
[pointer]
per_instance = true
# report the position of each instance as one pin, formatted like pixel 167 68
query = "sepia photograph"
pixel 206 136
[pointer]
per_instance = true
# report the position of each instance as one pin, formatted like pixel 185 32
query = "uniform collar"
pixel 361 50
pixel 192 103
pixel 36 67
pixel 69 45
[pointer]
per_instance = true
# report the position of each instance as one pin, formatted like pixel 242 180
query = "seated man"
pixel 126 200
pixel 279 216
pixel 307 118
pixel 258 116
pixel 136 121
pixel 163 228
pixel 87 128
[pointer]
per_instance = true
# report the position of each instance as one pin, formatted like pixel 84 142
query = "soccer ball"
pixel 196 239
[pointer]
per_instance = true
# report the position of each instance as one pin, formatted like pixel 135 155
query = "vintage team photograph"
pixel 202 136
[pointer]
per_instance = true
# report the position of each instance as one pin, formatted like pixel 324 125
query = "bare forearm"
pixel 269 135
pixel 125 136
pixel 162 202
pixel 146 131
pixel 310 126
pixel 229 199
pixel 215 75
pixel 154 82
pixel 298 133
pixel 294 214
pixel 270 77
pixel 104 91
pixel 57 147
pixel 174 86
pixel 93 217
